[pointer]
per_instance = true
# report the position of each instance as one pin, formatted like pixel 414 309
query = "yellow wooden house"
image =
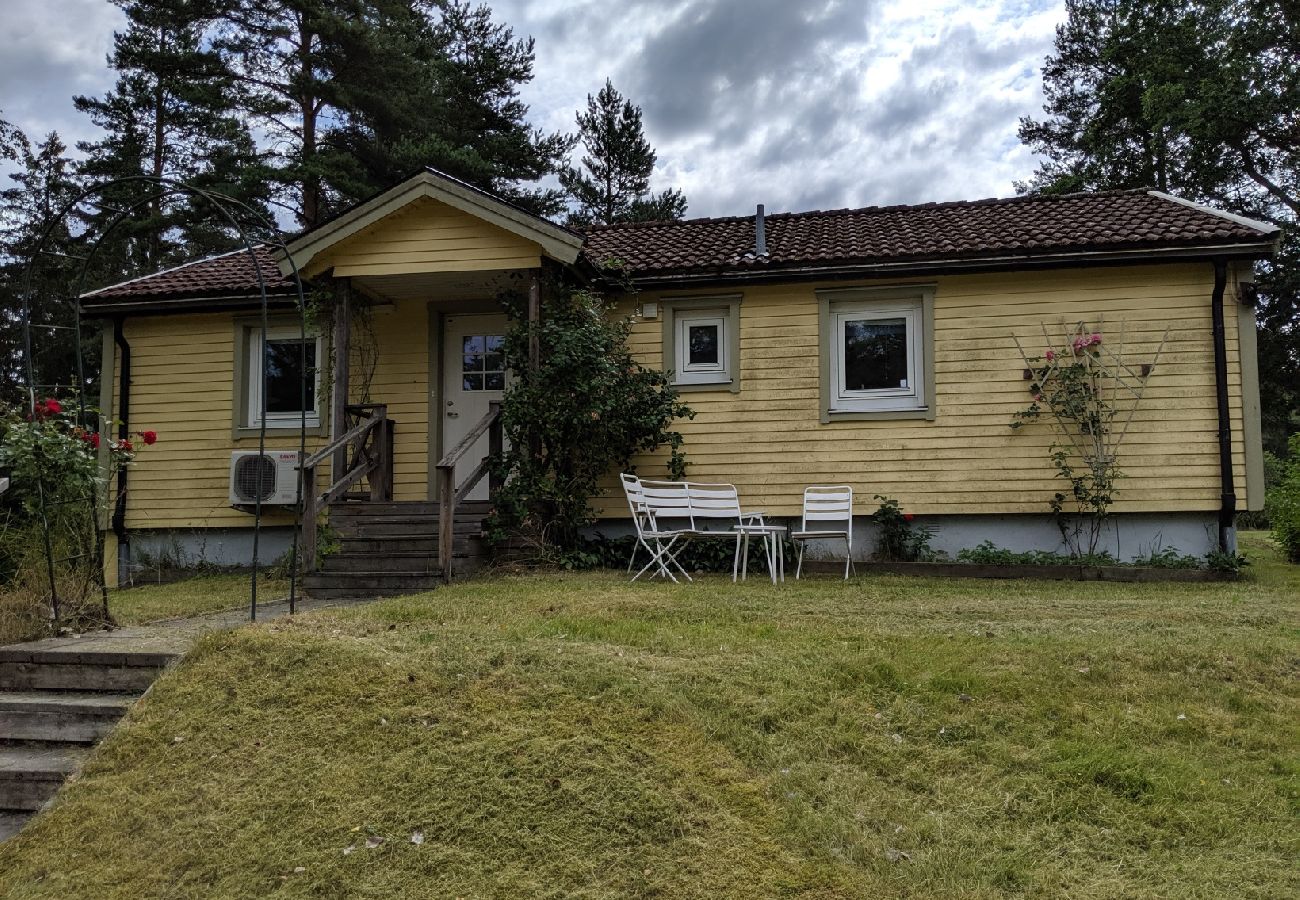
pixel 759 318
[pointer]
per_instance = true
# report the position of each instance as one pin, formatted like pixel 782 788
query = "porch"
pixel 415 374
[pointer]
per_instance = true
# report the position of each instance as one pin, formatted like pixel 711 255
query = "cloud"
pixel 796 105
pixel 49 51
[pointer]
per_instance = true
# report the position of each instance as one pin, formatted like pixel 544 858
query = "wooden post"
pixel 309 513
pixel 534 320
pixel 446 516
pixel 381 479
pixel 341 376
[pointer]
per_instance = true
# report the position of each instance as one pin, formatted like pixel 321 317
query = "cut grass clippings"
pixel 579 736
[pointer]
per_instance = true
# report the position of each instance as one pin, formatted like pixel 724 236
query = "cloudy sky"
pixel 798 105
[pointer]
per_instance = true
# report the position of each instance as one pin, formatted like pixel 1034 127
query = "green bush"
pixel 1284 503
pixel 586 411
pixel 897 540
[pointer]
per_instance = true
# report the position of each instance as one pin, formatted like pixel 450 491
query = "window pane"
pixel 703 347
pixel 472 383
pixel 495 381
pixel 472 362
pixel 472 343
pixel 875 354
pixel 495 342
pixel 284 376
pixel 494 362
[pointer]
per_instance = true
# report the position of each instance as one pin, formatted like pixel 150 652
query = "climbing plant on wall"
pixel 1087 390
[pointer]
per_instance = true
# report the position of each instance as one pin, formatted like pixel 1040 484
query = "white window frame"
pixel 911 397
pixel 701 373
pixel 253 378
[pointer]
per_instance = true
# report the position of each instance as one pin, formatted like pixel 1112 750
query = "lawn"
pixel 191 597
pixel 574 735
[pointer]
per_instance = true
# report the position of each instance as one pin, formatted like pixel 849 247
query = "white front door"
pixel 473 375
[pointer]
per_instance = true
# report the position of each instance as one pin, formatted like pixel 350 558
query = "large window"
pixel 701 342
pixel 876 352
pixel 282 368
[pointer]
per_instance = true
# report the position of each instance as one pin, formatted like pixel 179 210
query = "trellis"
pixel 1090 415
pixel 253 231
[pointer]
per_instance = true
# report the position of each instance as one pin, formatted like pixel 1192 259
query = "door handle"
pixel 453 415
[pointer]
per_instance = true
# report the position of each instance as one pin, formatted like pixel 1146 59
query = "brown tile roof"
pixel 1020 227
pixel 228 275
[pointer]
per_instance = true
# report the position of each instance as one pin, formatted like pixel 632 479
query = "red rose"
pixel 125 444
pixel 149 437
pixel 907 517
pixel 94 440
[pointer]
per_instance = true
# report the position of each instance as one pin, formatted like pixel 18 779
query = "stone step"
pixel 12 821
pixel 67 670
pixel 61 716
pixel 30 775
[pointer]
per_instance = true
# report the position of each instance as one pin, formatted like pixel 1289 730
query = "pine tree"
pixel 357 94
pixel 613 184
pixel 169 115
pixel 43 185
pixel 1200 98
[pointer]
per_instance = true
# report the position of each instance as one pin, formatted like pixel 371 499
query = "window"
pixel 701 342
pixel 702 347
pixel 282 357
pixel 483 364
pixel 876 353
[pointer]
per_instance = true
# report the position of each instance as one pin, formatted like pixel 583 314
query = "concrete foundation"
pixel 1126 536
pixel 167 550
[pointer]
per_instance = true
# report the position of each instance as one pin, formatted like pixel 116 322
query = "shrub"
pixel 1284 503
pixel 897 540
pixel 587 410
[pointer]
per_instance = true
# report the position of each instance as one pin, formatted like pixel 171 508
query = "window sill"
pixel 722 384
pixel 864 415
pixel 241 431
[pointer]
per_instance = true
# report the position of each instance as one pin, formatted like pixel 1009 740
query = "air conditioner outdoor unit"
pixel 272 476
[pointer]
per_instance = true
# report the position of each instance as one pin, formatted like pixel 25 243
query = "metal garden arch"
pixel 244 221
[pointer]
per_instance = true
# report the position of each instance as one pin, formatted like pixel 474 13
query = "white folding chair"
pixel 824 506
pixel 649 502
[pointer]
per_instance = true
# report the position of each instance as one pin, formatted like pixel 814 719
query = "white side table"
pixel 773 548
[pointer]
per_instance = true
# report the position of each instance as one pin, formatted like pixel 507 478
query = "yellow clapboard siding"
pixel 768 440
pixel 428 236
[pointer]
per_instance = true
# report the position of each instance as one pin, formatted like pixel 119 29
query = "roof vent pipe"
pixel 760 236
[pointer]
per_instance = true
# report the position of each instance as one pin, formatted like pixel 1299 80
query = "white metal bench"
pixel 668 515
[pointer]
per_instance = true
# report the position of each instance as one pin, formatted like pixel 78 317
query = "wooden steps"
pixel 391 547
pixel 56 700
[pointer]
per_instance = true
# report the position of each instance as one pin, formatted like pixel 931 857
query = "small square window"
pixel 483 364
pixel 700 347
pixel 877 356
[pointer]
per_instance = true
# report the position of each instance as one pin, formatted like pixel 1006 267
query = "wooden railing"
pixel 451 494
pixel 366 453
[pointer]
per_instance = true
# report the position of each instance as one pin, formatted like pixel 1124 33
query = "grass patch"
pixel 189 597
pixel 574 735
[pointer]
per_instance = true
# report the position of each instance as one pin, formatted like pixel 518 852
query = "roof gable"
pixel 433 196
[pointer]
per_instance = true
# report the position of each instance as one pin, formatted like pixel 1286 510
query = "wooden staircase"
pixel 55 702
pixel 387 548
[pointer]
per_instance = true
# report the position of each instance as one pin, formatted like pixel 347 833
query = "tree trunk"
pixel 307 110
